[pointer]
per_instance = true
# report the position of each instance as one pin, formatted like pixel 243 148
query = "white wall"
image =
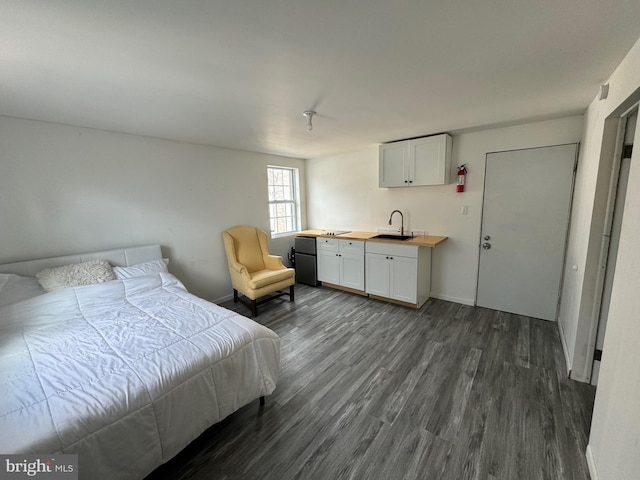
pixel 614 444
pixel 343 193
pixel 69 190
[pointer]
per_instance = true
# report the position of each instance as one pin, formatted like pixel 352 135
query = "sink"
pixel 389 236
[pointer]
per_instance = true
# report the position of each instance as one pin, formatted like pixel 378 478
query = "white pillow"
pixel 146 268
pixel 14 288
pixel 85 273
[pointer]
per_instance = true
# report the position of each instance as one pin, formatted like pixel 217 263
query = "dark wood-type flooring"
pixel 371 390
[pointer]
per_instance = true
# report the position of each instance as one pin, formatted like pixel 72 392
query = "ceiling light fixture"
pixel 309 114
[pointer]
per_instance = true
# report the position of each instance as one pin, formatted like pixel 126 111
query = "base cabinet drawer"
pixel 327 244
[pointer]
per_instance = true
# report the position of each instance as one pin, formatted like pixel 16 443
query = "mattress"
pixel 125 373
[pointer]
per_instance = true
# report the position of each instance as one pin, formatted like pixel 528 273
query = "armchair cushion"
pixel 267 277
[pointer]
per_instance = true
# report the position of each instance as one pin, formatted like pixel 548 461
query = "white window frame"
pixel 294 202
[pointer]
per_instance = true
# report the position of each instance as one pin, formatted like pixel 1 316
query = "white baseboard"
pixel 448 298
pixel 464 301
pixel 222 299
pixel 591 462
pixel 565 349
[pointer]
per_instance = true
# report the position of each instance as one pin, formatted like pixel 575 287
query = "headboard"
pixel 123 257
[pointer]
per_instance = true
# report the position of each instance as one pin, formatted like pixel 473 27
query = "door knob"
pixel 487 237
pixel 486 246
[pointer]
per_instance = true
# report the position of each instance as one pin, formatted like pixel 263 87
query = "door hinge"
pixel 627 150
pixel 597 355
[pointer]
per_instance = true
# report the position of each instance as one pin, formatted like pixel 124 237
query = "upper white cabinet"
pixel 411 163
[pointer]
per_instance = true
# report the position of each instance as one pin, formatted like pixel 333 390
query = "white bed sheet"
pixel 14 288
pixel 125 373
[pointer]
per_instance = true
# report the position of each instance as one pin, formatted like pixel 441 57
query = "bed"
pixel 124 373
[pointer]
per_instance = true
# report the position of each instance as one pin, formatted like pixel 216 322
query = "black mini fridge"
pixel 305 261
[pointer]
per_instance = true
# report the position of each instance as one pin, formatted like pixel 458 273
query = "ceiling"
pixel 240 73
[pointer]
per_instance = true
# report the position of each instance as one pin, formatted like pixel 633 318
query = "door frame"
pixel 603 260
pixel 566 238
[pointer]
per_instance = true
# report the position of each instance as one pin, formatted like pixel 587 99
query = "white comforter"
pixel 125 373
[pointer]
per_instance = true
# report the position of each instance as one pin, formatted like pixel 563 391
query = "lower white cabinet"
pixel 393 271
pixel 398 272
pixel 341 262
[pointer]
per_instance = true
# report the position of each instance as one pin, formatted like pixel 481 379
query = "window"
pixel 283 200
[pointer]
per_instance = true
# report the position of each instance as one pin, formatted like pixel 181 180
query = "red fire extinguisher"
pixel 462 173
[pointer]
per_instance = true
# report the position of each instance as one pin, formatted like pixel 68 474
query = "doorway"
pixel 525 218
pixel 615 213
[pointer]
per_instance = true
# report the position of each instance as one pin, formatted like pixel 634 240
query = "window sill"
pixel 284 234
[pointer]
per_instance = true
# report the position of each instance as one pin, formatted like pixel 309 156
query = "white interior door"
pixel 525 216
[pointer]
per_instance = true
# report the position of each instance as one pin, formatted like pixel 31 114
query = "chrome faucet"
pixel 401 220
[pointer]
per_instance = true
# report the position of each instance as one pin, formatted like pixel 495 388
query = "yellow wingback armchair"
pixel 254 272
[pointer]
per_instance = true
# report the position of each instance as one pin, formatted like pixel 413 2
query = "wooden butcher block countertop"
pixel 418 240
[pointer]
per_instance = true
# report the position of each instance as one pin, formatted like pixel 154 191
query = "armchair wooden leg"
pixel 235 296
pixel 254 309
pixel 291 295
